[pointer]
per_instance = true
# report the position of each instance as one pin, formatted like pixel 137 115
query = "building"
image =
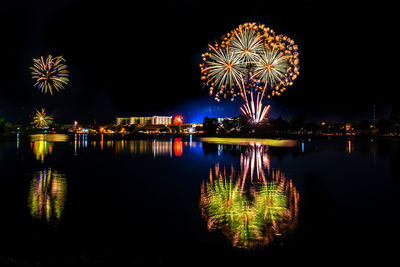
pixel 220 120
pixel 165 120
pixel 190 127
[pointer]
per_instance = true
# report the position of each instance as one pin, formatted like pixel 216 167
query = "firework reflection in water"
pixel 47 195
pixel 251 206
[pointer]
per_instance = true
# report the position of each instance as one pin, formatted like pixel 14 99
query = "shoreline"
pixel 201 137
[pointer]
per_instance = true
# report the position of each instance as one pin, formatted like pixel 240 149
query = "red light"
pixel 178 120
pixel 178 148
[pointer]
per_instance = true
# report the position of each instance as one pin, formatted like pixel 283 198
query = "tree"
pixel 231 125
pixel 5 127
pixel 2 126
pixel 279 125
pixel 394 119
pixel 297 123
pixel 364 126
pixel 210 125
pixel 383 126
pixel 312 127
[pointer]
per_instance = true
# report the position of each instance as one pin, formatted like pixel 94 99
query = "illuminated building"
pixel 144 120
pixel 220 120
pixel 190 127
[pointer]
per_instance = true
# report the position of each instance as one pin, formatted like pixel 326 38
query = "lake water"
pixel 70 199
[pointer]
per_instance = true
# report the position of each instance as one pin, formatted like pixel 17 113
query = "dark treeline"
pixel 299 125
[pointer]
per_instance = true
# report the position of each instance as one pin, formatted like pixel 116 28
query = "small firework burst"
pixel 41 119
pixel 50 74
pixel 178 120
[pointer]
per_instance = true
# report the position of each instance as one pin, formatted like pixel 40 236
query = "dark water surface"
pixel 69 200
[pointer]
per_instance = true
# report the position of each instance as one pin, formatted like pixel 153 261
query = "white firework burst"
pixel 271 67
pixel 224 69
pixel 247 44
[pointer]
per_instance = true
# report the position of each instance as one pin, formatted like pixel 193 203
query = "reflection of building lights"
pixel 47 195
pixel 252 205
pixel 76 145
pixel 102 142
pixel 154 147
pixel 84 137
pixel 349 147
pixel 178 148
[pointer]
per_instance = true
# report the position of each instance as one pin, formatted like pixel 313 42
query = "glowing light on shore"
pixel 50 73
pixel 249 141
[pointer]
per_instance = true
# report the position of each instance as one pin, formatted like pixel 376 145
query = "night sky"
pixel 143 59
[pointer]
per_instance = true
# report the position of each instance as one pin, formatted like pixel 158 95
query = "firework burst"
pixel 41 119
pixel 247 43
pixel 178 120
pixel 223 70
pixel 50 74
pixel 253 62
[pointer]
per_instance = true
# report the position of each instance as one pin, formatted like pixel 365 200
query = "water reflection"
pixel 155 147
pixel 42 144
pixel 178 148
pixel 41 149
pixel 252 205
pixel 47 195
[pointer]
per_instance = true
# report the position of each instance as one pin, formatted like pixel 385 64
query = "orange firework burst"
pixel 251 61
